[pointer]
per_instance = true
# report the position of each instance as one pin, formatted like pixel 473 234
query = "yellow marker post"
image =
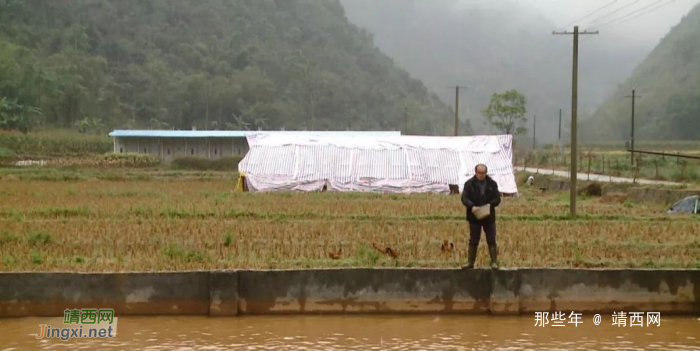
pixel 240 186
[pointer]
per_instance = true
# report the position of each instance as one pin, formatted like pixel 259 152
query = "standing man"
pixel 479 191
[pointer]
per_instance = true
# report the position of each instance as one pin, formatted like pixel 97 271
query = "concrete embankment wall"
pixel 634 193
pixel 448 291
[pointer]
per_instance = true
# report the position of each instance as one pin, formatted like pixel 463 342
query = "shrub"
pixel 108 160
pixel 593 189
pixel 54 144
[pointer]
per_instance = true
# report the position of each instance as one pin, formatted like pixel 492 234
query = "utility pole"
pixel 534 132
pixel 559 147
pixel 457 109
pixel 632 134
pixel 574 110
pixel 405 119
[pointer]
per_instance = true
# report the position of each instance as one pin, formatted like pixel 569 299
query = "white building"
pixel 386 164
pixel 213 144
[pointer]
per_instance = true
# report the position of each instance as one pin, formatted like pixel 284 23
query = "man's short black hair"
pixel 481 164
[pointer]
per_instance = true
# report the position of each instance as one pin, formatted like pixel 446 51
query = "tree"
pixel 506 111
pixel 681 116
pixel 182 64
pixel 15 116
pixel 89 124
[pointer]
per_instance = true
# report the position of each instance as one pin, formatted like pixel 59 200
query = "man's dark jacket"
pixel 471 196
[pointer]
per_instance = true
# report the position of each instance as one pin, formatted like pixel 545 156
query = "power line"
pixel 629 14
pixel 539 47
pixel 558 48
pixel 614 12
pixel 642 14
pixel 549 39
pixel 588 15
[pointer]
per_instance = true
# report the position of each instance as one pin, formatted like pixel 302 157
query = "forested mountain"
pixel 214 64
pixel 668 81
pixel 493 46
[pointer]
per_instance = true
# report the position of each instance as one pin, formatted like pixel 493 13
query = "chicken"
pixel 392 253
pixel 386 251
pixel 447 246
pixel 335 255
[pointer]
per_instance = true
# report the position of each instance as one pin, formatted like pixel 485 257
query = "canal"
pixel 416 332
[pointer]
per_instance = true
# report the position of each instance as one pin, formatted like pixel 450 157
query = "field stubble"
pixel 202 224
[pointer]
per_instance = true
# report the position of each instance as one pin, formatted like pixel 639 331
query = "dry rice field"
pixel 189 223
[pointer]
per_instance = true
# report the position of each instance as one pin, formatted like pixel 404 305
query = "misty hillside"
pixel 270 64
pixel 492 47
pixel 668 81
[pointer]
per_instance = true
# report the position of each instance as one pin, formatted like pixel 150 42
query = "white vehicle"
pixel 690 204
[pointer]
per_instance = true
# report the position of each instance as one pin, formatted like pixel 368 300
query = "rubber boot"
pixel 471 257
pixel 493 252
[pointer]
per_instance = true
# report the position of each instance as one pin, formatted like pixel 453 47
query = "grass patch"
pixel 229 164
pixel 36 258
pixel 8 237
pixel 175 252
pixel 61 212
pixel 39 238
pixel 228 240
pixel 368 255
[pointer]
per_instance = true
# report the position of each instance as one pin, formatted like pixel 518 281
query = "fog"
pixel 645 21
pixel 645 29
pixel 495 45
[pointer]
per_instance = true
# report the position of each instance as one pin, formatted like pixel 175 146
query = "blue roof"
pixel 233 133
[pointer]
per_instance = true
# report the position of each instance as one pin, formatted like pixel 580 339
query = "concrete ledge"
pixel 604 291
pixel 223 293
pixel 364 291
pixel 49 294
pixel 505 292
pixel 353 291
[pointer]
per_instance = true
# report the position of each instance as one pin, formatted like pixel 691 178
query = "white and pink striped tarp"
pixel 391 164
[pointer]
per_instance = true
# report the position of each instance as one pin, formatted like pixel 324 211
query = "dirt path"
pixel 596 177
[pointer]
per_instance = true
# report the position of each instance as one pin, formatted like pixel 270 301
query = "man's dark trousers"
pixel 475 232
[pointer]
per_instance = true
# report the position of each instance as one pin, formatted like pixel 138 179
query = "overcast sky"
pixel 645 21
pixel 648 27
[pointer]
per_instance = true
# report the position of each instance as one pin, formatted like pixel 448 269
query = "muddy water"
pixel 364 333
